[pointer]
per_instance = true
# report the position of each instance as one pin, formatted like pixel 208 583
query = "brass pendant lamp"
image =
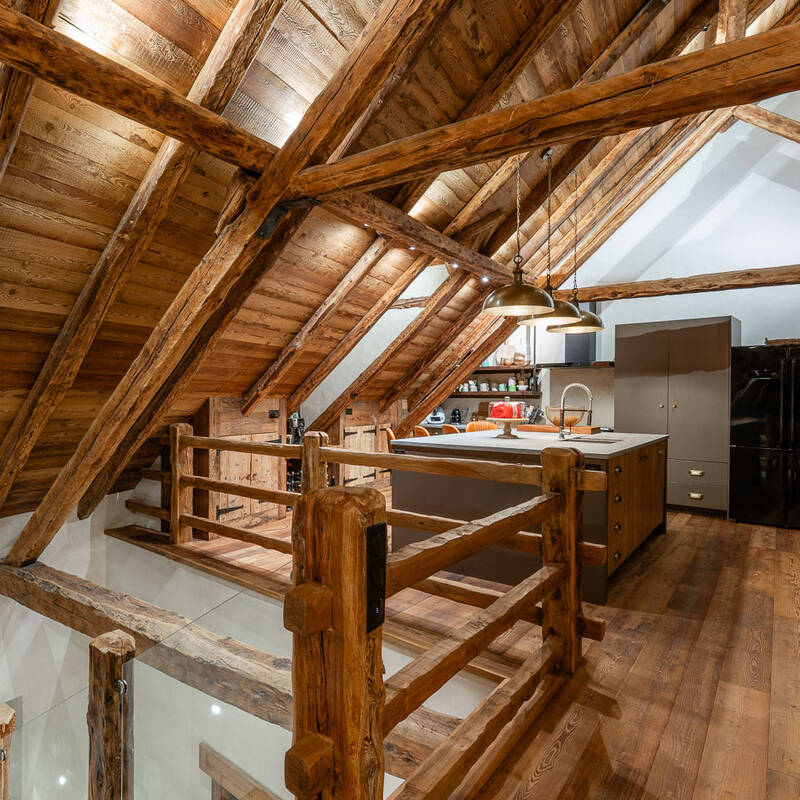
pixel 563 311
pixel 518 299
pixel 588 321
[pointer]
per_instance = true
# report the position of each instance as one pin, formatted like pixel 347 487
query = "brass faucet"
pixel 561 429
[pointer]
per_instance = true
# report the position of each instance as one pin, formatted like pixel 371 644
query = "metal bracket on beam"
pixel 276 216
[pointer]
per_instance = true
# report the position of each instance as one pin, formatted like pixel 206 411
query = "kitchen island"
pixel 621 518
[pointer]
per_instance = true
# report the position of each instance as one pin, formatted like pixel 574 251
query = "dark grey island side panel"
pixel 471 498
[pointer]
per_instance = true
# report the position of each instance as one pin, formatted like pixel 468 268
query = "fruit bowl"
pixel 572 416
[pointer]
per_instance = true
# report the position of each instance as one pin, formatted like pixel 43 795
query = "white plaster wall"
pixel 735 205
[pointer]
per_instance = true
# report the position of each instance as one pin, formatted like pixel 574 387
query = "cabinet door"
pixel 350 474
pixel 267 472
pixel 640 380
pixel 699 359
pixel 368 442
pixel 233 468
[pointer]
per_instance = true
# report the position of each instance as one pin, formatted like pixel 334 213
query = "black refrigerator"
pixel 765 435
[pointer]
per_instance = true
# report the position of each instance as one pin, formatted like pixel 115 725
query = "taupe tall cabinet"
pixel 674 378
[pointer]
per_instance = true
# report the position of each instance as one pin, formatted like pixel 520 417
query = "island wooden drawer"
pixel 687 494
pixel 700 473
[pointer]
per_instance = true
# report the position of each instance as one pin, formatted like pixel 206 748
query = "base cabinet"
pixel 635 500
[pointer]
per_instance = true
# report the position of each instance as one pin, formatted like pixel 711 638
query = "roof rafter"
pixel 16 87
pixel 507 71
pixel 769 121
pixel 235 48
pixel 752 69
pixel 393 28
pixel 692 284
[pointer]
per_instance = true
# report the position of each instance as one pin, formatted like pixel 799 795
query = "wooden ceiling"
pixel 76 167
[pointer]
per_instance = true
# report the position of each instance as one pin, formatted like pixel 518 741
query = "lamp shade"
pixel 563 313
pixel 518 300
pixel 588 323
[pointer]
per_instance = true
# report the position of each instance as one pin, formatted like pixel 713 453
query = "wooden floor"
pixel 694 693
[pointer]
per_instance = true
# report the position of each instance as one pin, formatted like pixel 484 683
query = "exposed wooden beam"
pixel 410 302
pixel 499 331
pixel 731 20
pixel 16 87
pixel 231 671
pixel 770 121
pixel 598 69
pixel 30 47
pixel 709 282
pixel 265 386
pixel 507 71
pixel 354 336
pixel 550 18
pixel 150 419
pixel 417 369
pixel 327 120
pixel 436 302
pixel 730 74
pixel 235 48
pixel 391 221
pixel 656 175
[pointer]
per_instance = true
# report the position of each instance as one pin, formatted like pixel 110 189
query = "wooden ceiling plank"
pixel 692 284
pixel 236 47
pixel 16 87
pixel 769 121
pixel 394 27
pixel 265 386
pixel 500 330
pixel 51 56
pixel 446 291
pixel 738 72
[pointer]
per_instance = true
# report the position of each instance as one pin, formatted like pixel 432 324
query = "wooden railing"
pixel 342 575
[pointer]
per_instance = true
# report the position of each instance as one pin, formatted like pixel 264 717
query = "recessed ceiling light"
pixel 366 225
pixel 216 710
pixel 411 247
pixel 62 780
pixel 455 265
pixel 485 278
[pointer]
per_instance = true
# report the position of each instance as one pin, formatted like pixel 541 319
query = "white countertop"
pixel 486 442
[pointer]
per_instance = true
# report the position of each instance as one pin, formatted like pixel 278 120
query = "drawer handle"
pixel 617 498
pixel 661 452
pixel 697 473
pixel 617 526
pixel 696 495
pixel 618 555
pixel 618 468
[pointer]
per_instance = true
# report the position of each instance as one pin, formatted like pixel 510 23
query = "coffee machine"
pixel 455 416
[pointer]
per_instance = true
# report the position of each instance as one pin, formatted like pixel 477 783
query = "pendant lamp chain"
pixel 575 241
pixel 548 156
pixel 518 256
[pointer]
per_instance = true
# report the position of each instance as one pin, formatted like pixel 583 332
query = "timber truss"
pixel 654 117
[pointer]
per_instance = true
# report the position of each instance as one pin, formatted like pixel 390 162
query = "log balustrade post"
pixel 335 611
pixel 8 720
pixel 181 496
pixel 315 472
pixel 110 716
pixel 560 535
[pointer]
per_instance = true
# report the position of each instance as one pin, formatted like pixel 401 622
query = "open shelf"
pixel 512 395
